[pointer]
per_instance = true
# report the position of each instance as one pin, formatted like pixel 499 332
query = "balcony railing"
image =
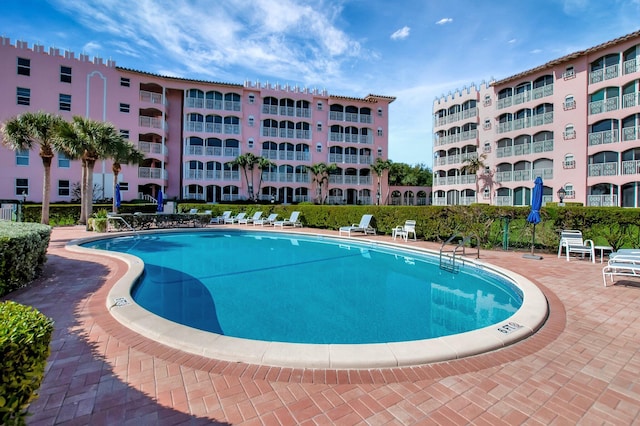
pixel 631 66
pixel 152 173
pixel 347 137
pixel 603 74
pixel 350 159
pixel 454 180
pixel 350 117
pixel 630 133
pixel 607 136
pixel 152 97
pixel 630 100
pixel 611 104
pixel 525 149
pixel 461 115
pixel 525 122
pixel 523 175
pixel 630 167
pixel 349 180
pixel 152 148
pixel 602 200
pixel 603 169
pixel 457 137
pixel 153 122
pixel 455 159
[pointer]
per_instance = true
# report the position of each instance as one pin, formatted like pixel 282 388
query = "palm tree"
pixel 379 167
pixel 90 141
pixel 263 163
pixel 247 162
pixel 124 153
pixel 321 173
pixel 472 166
pixel 27 130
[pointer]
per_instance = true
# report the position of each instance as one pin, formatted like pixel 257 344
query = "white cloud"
pixel 400 34
pixel 444 21
pixel 536 51
pixel 513 40
pixel 92 48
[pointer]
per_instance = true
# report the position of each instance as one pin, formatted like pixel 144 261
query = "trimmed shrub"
pixel 25 334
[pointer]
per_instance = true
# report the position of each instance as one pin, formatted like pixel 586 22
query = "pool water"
pixel 308 289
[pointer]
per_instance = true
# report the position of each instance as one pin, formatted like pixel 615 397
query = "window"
pixel 486 192
pixel 63 188
pixel 125 82
pixel 569 162
pixel 569 73
pixel 379 152
pixel 124 133
pixel 379 112
pixel 487 100
pixel 22 187
pixel 24 66
pixel 379 131
pixel 319 127
pixel 251 121
pixel 65 74
pixel 569 132
pixel 63 161
pixel 318 147
pixel 125 108
pixel 24 96
pixel 64 102
pixel 22 157
pixel 319 106
pixel 252 98
pixel 487 124
pixel 569 102
pixel 487 147
pixel 250 142
pixel 124 186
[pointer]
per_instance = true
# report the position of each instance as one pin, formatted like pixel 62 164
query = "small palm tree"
pixel 379 167
pixel 124 153
pixel 27 130
pixel 321 173
pixel 472 166
pixel 247 162
pixel 263 163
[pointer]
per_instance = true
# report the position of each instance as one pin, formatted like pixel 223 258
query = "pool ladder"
pixel 450 260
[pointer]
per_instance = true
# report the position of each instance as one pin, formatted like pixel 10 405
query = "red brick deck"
pixel 582 367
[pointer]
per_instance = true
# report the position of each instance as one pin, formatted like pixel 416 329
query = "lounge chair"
pixel 405 230
pixel 235 218
pixel 221 219
pixel 268 221
pixel 625 265
pixel 572 242
pixel 364 226
pixel 248 220
pixel 292 220
pixel 193 211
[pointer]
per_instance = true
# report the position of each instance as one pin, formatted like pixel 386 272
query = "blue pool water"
pixel 308 289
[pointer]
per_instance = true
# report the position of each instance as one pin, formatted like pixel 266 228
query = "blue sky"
pixel 415 50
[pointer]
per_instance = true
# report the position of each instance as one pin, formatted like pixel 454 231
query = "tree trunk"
pixel 83 194
pixel 89 193
pixel 114 207
pixel 46 190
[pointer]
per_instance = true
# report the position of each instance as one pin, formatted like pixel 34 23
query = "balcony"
pixel 607 136
pixel 194 174
pixel 151 97
pixel 346 137
pixel 454 180
pixel 602 200
pixel 152 148
pixel 349 159
pixel 462 115
pixel 631 65
pixel 350 117
pixel 630 133
pixel 455 159
pixel 349 180
pixel 631 167
pixel 525 149
pixel 603 169
pixel 524 175
pixel 526 122
pixel 603 74
pixel 457 137
pixel 152 173
pixel 630 100
pixel 610 104
pixel 152 122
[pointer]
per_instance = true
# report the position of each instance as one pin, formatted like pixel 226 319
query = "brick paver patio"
pixel 582 367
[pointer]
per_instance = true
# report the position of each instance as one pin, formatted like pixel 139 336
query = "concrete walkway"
pixel 582 367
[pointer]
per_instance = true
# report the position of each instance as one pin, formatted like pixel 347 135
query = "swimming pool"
pixel 246 289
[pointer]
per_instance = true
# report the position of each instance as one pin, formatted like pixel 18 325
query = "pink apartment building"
pixel 191 131
pixel 574 121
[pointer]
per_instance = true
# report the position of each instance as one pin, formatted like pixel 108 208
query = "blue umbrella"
pixel 160 208
pixel 534 215
pixel 118 196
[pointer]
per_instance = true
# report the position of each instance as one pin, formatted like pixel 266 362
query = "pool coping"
pixel 526 321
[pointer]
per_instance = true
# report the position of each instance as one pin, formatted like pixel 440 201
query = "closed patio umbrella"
pixel 534 215
pixel 118 197
pixel 160 201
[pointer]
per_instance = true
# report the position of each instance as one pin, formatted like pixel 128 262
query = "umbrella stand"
pixel 533 242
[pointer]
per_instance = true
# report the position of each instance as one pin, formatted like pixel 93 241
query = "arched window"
pixel 569 132
pixel 569 162
pixel 569 102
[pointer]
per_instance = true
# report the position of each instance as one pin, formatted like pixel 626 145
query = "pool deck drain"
pixel 581 367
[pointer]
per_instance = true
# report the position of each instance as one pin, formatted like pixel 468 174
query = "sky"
pixel 413 50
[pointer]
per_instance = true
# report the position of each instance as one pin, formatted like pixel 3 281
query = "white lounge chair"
pixel 405 230
pixel 235 218
pixel 221 219
pixel 248 220
pixel 622 265
pixel 572 242
pixel 268 221
pixel 364 226
pixel 292 220
pixel 193 211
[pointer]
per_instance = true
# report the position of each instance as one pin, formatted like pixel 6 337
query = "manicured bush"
pixel 23 252
pixel 25 334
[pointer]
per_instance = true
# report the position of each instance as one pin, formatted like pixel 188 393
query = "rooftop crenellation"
pixel 54 51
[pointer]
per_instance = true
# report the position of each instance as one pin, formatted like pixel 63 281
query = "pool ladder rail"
pixel 451 259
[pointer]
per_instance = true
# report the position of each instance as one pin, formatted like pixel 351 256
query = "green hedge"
pixel 23 252
pixel 25 334
pixel 613 226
